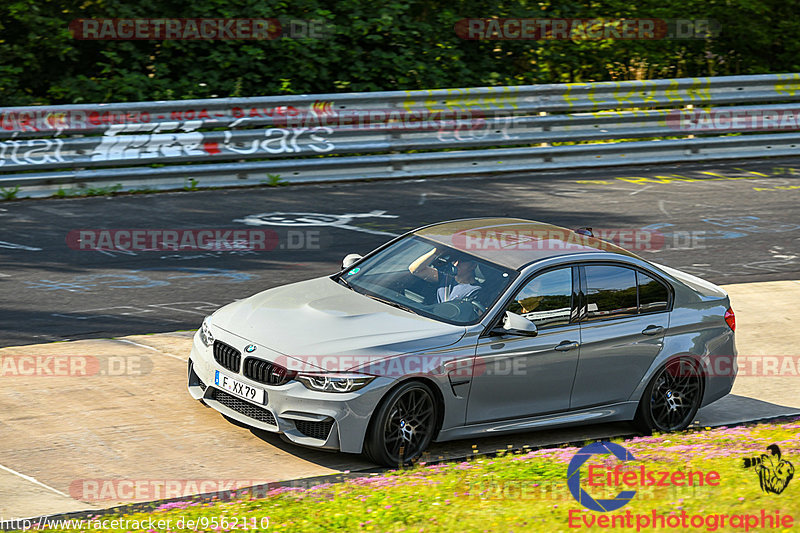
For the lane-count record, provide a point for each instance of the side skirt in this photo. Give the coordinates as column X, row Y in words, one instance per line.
column 622, row 411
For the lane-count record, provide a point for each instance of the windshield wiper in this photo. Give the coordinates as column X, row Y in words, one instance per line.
column 344, row 282
column 393, row 304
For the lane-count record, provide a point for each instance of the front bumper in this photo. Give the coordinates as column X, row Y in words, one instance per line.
column 336, row 421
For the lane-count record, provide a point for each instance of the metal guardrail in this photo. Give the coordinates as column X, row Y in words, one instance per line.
column 485, row 130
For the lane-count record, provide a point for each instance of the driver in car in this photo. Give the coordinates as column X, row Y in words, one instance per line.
column 457, row 287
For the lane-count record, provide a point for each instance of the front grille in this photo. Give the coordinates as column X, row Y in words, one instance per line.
column 241, row 406
column 266, row 372
column 315, row 430
column 228, row 356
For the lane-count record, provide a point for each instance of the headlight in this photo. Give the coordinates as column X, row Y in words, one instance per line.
column 205, row 332
column 334, row 382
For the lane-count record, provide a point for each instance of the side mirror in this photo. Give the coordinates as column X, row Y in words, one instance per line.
column 350, row 260
column 514, row 324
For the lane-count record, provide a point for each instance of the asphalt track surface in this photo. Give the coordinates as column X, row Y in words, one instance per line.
column 728, row 223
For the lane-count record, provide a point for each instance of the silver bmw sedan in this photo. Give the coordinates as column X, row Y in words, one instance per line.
column 468, row 328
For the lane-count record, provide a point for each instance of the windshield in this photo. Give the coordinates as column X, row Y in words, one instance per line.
column 431, row 279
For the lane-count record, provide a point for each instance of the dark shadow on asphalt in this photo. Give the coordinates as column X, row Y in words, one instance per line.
column 734, row 409
column 730, row 410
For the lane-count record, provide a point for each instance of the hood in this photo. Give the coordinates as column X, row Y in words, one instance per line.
column 321, row 317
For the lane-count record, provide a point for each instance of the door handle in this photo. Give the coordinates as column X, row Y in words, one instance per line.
column 652, row 330
column 566, row 346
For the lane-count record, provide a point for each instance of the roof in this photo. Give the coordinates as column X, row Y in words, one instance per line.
column 514, row 242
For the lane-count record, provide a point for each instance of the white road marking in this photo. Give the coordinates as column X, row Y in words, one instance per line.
column 53, row 211
column 153, row 349
column 13, row 246
column 640, row 190
column 33, row 480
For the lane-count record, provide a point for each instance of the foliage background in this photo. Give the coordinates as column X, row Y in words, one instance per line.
column 385, row 45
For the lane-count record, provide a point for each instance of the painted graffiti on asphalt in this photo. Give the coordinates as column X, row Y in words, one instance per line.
column 316, row 219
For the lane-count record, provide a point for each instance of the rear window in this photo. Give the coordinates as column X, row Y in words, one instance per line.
column 614, row 290
column 611, row 291
column 653, row 295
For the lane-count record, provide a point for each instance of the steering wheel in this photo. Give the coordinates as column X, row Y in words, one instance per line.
column 446, row 309
column 477, row 307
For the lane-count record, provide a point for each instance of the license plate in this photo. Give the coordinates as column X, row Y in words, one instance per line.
column 243, row 390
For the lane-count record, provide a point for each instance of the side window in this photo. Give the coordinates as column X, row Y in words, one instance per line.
column 546, row 300
column 611, row 291
column 653, row 295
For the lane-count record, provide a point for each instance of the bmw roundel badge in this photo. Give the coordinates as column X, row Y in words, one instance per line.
column 250, row 348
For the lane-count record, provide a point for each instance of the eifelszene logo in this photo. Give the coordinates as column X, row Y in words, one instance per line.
column 774, row 472
column 640, row 477
column 612, row 474
column 574, row 476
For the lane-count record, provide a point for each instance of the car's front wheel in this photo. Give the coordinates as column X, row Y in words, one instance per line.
column 403, row 426
column 672, row 398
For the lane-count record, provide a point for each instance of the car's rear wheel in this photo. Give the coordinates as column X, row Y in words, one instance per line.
column 403, row 426
column 672, row 398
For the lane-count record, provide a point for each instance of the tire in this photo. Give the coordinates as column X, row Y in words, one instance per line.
column 403, row 426
column 671, row 399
